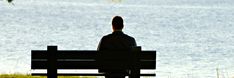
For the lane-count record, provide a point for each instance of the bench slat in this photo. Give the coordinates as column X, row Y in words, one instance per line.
column 65, row 54
column 82, row 74
column 89, row 54
column 85, row 65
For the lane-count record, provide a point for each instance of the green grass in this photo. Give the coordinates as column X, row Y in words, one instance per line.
column 29, row 76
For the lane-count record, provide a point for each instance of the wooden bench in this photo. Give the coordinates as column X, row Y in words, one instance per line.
column 53, row 59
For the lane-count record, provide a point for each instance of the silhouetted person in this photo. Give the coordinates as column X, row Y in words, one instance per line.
column 116, row 41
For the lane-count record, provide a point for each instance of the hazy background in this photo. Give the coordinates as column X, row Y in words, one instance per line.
column 192, row 37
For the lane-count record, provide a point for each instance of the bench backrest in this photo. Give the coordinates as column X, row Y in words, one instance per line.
column 86, row 59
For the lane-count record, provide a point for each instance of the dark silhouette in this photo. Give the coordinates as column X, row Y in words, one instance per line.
column 88, row 59
column 117, row 57
column 9, row 1
column 116, row 41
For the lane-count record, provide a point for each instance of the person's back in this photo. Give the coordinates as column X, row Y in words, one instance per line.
column 116, row 41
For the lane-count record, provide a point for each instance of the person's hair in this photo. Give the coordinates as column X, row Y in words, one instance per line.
column 117, row 22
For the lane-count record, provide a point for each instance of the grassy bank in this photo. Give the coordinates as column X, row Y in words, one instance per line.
column 29, row 76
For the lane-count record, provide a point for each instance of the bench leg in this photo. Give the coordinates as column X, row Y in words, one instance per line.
column 52, row 74
column 52, row 62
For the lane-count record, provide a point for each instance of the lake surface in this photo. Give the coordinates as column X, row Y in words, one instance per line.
column 192, row 38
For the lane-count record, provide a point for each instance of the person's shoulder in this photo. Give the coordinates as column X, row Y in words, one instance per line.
column 129, row 37
column 106, row 36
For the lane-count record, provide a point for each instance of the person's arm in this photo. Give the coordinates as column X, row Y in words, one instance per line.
column 100, row 45
column 134, row 42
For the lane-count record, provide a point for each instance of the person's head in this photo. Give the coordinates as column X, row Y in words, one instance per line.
column 117, row 23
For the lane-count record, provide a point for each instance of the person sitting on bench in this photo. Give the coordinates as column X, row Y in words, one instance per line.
column 116, row 41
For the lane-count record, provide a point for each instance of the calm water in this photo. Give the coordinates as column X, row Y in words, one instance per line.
column 192, row 38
